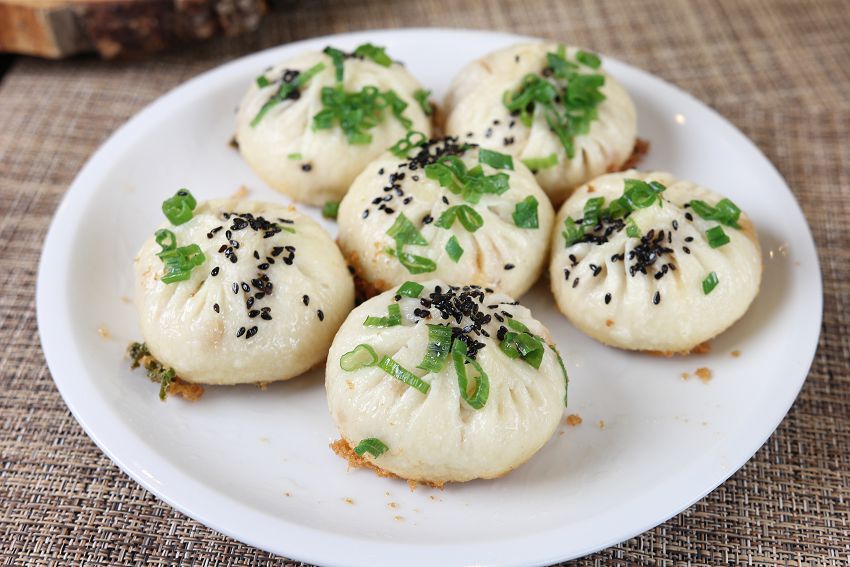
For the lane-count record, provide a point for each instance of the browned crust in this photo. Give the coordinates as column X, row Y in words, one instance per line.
column 702, row 348
column 639, row 151
column 343, row 449
column 178, row 387
column 363, row 287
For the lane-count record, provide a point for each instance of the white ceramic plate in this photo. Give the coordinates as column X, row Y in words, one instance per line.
column 256, row 464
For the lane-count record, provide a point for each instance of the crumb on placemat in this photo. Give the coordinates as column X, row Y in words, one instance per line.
column 574, row 419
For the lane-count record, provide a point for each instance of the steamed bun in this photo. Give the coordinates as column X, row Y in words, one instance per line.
column 298, row 145
column 386, row 393
column 500, row 219
column 263, row 306
column 678, row 280
column 477, row 111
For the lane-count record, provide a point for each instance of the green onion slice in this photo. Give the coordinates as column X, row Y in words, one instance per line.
column 520, row 343
column 454, row 249
column 375, row 53
column 572, row 233
column 716, row 237
column 295, row 156
column 439, row 344
column 592, row 209
column 536, row 164
column 451, row 173
column 421, row 96
column 468, row 217
column 525, row 213
column 405, row 232
column 373, row 446
column 393, row 318
column 361, row 356
column 166, row 239
column 639, row 194
column 416, row 264
column 413, row 139
column 709, row 283
column 564, row 371
column 410, row 289
column 262, row 81
column 338, row 58
column 474, row 394
column 286, row 90
column 178, row 209
column 590, row 59
column 495, row 160
column 632, row 229
column 330, row 210
column 179, row 262
column 725, row 212
column 397, row 371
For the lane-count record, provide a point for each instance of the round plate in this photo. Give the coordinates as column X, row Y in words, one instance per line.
column 256, row 464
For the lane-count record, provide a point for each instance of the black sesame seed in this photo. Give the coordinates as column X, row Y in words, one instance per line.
column 265, row 316
column 427, row 219
column 575, row 283
column 415, row 178
column 567, row 274
column 306, row 167
column 251, row 332
column 306, row 300
column 259, row 295
column 216, row 308
column 675, row 225
column 233, row 258
column 240, row 332
column 388, row 210
column 656, row 299
column 689, row 216
column 365, row 213
column 321, row 315
column 235, row 287
column 253, row 313
column 246, row 287
column 686, row 250
column 509, row 266
column 445, row 199
column 250, row 303
column 214, row 271
column 381, row 171
column 689, row 239
column 607, row 298
column 263, row 266
column 256, row 255
column 407, row 200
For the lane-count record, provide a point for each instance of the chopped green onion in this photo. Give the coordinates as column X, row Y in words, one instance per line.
column 166, row 239
column 709, row 283
column 287, row 90
column 262, row 81
column 592, row 209
column 397, row 371
column 716, row 237
column 295, row 156
column 404, row 232
column 330, row 209
column 639, row 194
column 361, row 356
column 450, row 172
column 358, row 112
column 410, row 289
column 725, row 212
column 373, row 446
column 495, row 159
column 590, row 59
column 421, row 96
column 375, row 53
column 439, row 344
column 413, row 139
column 522, row 344
column 572, row 233
column 477, row 398
column 468, row 217
column 338, row 58
column 179, row 262
column 537, row 163
column 525, row 213
column 632, row 229
column 416, row 264
column 165, row 379
column 454, row 249
column 178, row 209
column 393, row 318
column 564, row 371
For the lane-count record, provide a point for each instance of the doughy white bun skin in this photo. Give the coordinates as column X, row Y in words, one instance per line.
column 474, row 105
column 179, row 320
column 314, row 166
column 671, row 314
column 437, row 437
column 499, row 254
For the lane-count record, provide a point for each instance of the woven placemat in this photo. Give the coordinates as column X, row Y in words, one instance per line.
column 779, row 70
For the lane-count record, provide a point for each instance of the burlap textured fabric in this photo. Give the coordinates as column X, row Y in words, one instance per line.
column 779, row 70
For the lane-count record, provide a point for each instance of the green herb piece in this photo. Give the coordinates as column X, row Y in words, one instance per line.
column 294, row 156
column 572, row 233
column 361, row 356
column 421, row 96
column 179, row 262
column 709, row 283
column 525, row 213
column 567, row 98
column 413, row 139
column 590, row 59
column 725, row 212
column 416, row 264
column 451, row 173
column 632, row 229
column 439, row 344
column 139, row 354
column 166, row 239
column 454, row 249
column 358, row 112
column 639, row 194
column 287, row 90
column 538, row 163
column 405, row 232
column 165, row 379
column 262, row 81
column 564, row 371
column 397, row 371
column 178, row 209
column 716, row 237
column 495, row 159
column 410, row 289
column 476, row 393
column 393, row 318
column 520, row 343
column 338, row 58
column 375, row 53
column 468, row 217
column 330, row 209
column 592, row 210
column 373, row 446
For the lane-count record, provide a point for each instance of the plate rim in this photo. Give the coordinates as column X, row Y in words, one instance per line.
column 299, row 546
